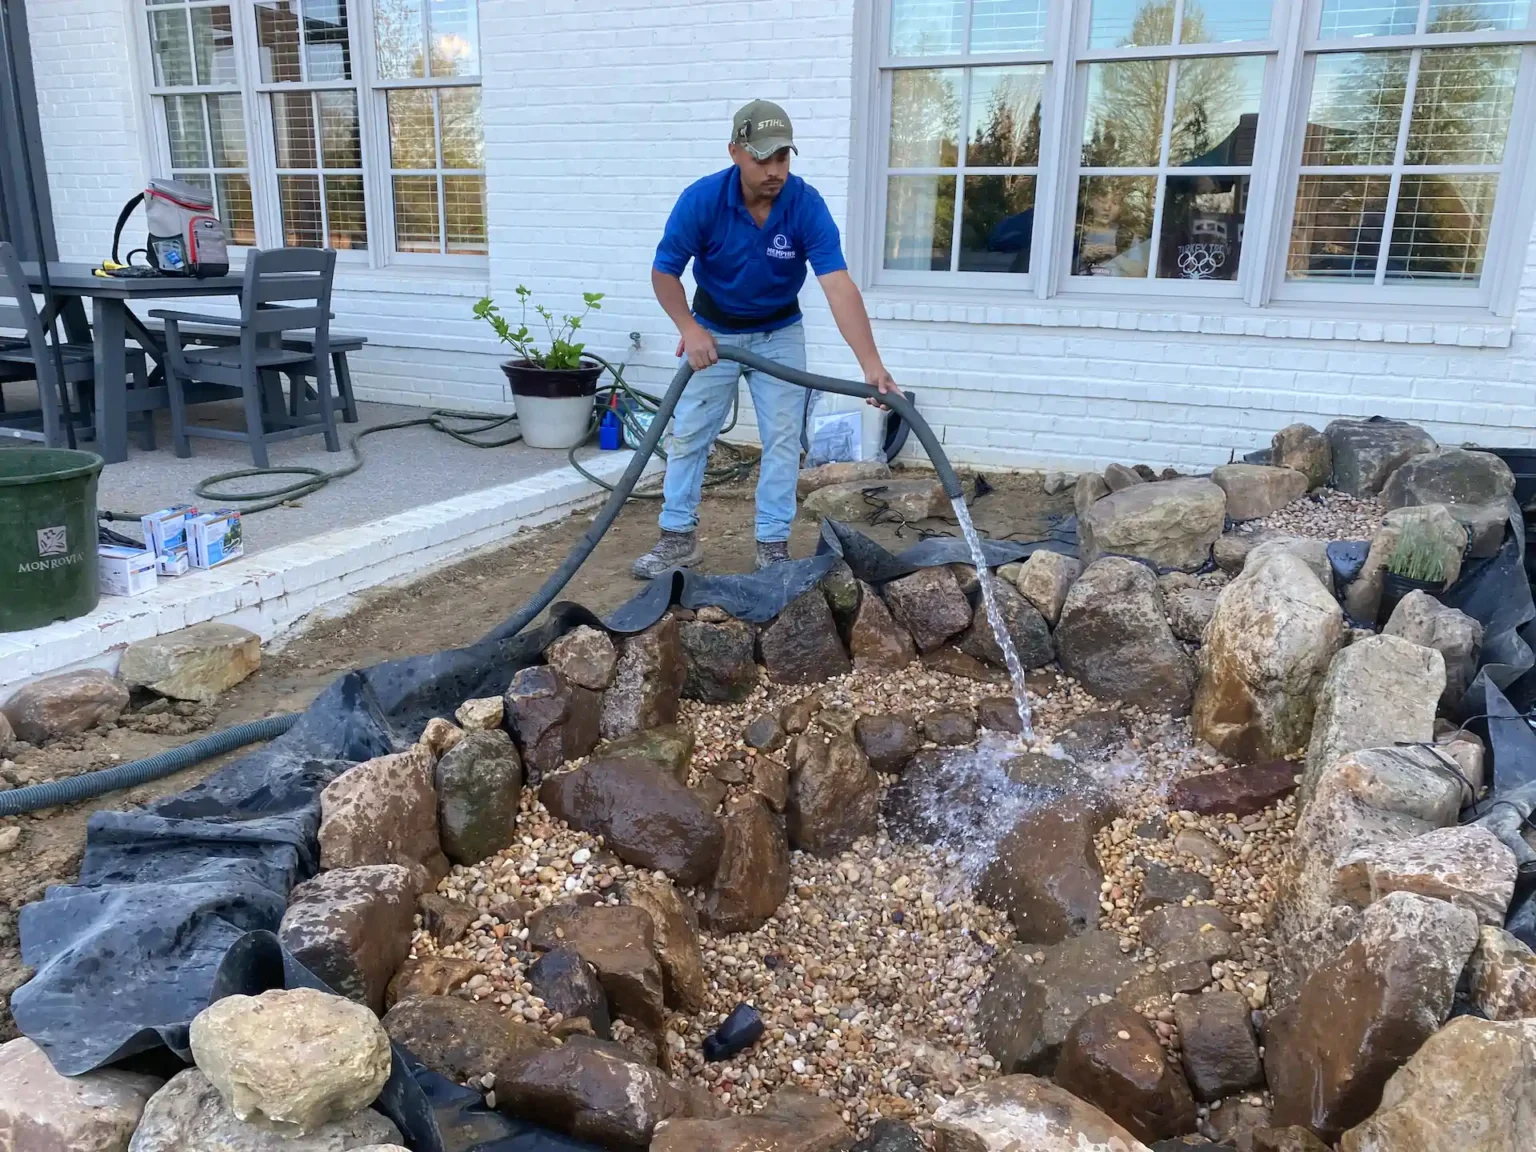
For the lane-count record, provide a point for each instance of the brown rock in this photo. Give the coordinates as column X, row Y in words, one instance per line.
column 910, row 499
column 669, row 747
column 1023, row 623
column 1220, row 1053
column 1044, row 580
column 677, row 939
column 644, row 815
column 552, row 720
column 1090, row 487
column 1000, row 714
column 195, row 663
column 1202, row 947
column 1501, row 976
column 1119, row 477
column 876, row 641
column 429, row 976
column 770, row 780
column 1422, row 619
column 1190, row 611
column 888, row 742
column 796, row 716
column 1467, row 866
column 949, row 727
column 1256, row 490
column 793, row 1121
column 953, row 662
column 930, row 605
column 352, row 928
column 383, row 811
column 1304, row 448
column 753, row 877
column 568, row 985
column 447, row 920
column 478, row 785
column 840, row 472
column 718, row 660
column 1239, row 791
column 440, row 736
column 766, row 734
column 43, row 1111
column 457, row 1038
column 1093, row 732
column 1168, row 524
column 1367, row 452
column 1045, row 873
column 647, row 682
column 65, row 705
column 584, row 656
column 619, row 941
column 1236, row 1121
column 801, row 646
column 1016, row 1113
column 1161, row 885
column 834, row 797
column 1112, row 1058
column 1163, row 926
column 1292, row 1139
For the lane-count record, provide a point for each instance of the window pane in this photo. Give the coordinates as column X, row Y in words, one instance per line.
column 412, row 132
column 171, row 47
column 347, row 226
column 1005, row 117
column 997, row 223
column 1114, row 226
column 340, row 146
column 1119, row 22
column 213, row 45
column 919, row 222
column 1008, row 25
column 326, row 53
column 1124, row 124
column 1357, row 108
column 1202, row 237
column 1224, row 21
column 1216, row 111
column 1478, row 15
column 226, row 116
column 927, row 27
column 1462, row 105
column 399, row 33
column 293, row 130
column 464, row 198
column 454, row 31
column 1345, row 18
column 416, row 214
column 235, row 209
column 1337, row 231
column 1440, row 232
column 184, row 129
column 196, row 179
column 925, row 118
column 277, row 41
column 299, row 197
column 463, row 140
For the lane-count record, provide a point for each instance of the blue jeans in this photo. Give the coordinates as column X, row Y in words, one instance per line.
column 783, row 411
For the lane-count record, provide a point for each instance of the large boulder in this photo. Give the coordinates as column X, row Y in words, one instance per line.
column 888, row 742
column 834, row 796
column 352, row 928
column 1360, row 1017
column 584, row 656
column 66, row 705
column 1239, row 791
column 876, row 642
column 383, row 811
column 1467, row 866
column 429, row 975
column 1112, row 1059
column 793, row 1121
column 552, row 719
column 459, row 1039
column 753, row 877
column 1090, row 488
column 1122, row 476
column 645, row 816
column 293, row 1058
column 852, row 502
column 1421, row 619
column 677, row 938
column 1190, row 611
column 1501, row 976
column 1256, row 490
column 930, row 606
column 568, row 985
column 189, row 1115
column 841, row 472
column 1217, row 1045
column 1044, row 580
column 669, row 747
column 1115, row 639
column 1044, row 873
column 1367, row 452
column 1471, row 1088
column 1169, row 524
column 1025, row 627
column 1267, row 648
column 1015, row 1113
column 1449, row 476
column 1304, row 448
column 647, row 681
column 718, row 660
column 1446, row 535
column 42, row 1111
column 196, row 663
column 1379, row 691
column 478, row 784
column 801, row 645
column 619, row 941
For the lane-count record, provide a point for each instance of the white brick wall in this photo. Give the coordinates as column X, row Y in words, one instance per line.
column 597, row 114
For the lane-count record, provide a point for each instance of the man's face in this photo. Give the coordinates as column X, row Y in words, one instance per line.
column 762, row 178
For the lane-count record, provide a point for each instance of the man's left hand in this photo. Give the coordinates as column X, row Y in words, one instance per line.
column 881, row 380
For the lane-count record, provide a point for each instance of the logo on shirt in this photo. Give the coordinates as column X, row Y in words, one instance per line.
column 781, row 248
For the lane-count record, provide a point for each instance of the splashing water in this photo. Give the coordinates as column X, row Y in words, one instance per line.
column 995, row 618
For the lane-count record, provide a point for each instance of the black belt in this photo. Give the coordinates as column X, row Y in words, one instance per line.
column 705, row 307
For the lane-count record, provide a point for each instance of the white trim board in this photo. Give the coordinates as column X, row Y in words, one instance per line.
column 272, row 591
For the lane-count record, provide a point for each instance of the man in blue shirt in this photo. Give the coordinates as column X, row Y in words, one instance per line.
column 749, row 230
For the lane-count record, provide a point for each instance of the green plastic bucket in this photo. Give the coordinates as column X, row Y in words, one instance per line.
column 47, row 536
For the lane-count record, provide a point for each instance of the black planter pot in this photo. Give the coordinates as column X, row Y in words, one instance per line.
column 554, row 405
column 1394, row 588
column 528, row 379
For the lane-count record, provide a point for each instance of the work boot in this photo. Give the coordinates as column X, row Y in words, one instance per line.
column 673, row 550
column 771, row 552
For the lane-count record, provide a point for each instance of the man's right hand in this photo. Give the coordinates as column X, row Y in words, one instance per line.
column 698, row 344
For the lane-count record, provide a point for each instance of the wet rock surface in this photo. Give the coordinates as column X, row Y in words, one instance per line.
column 352, row 928
column 1017, row 1112
column 669, row 747
column 792, row 1122
column 568, row 985
column 1025, row 626
column 1112, row 1058
column 875, row 640
column 383, row 811
column 1045, row 873
column 1240, row 791
column 930, row 606
column 478, row 783
column 647, row 681
column 753, row 877
column 65, row 705
column 42, row 1111
column 1220, row 1051
column 888, row 742
column 802, row 646
column 677, row 938
column 834, row 797
column 459, row 1039
column 718, row 660
column 619, row 942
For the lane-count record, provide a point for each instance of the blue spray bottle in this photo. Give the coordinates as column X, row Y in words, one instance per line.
column 610, row 432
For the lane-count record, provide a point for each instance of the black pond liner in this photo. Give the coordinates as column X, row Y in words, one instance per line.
column 178, row 902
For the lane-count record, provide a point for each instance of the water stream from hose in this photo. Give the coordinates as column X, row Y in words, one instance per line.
column 995, row 618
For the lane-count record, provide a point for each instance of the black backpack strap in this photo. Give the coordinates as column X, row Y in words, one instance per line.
column 122, row 219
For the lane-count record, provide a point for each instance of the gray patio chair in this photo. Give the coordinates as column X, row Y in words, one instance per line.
column 286, row 290
column 27, row 356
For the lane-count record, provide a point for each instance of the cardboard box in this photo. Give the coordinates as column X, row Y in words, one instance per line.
column 125, row 571
column 166, row 530
column 173, row 563
column 215, row 538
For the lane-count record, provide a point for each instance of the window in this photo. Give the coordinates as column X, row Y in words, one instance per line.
column 352, row 124
column 1355, row 150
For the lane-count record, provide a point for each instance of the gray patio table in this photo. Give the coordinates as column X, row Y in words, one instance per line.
column 112, row 322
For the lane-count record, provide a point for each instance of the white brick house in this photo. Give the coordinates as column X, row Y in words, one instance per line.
column 1264, row 146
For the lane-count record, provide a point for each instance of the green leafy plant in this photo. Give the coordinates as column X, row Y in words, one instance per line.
column 1418, row 555
column 563, row 350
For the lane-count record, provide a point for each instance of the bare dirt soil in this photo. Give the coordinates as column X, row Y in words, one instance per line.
column 444, row 609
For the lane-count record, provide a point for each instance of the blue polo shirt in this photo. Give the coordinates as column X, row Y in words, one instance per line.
column 750, row 271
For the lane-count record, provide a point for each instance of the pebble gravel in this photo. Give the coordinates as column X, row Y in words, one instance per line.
column 1325, row 515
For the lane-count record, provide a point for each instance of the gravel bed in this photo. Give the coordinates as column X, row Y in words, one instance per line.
column 1324, row 515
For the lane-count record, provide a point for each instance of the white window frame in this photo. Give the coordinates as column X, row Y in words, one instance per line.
column 255, row 94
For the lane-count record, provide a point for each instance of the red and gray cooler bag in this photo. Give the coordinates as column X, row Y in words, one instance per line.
column 185, row 237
